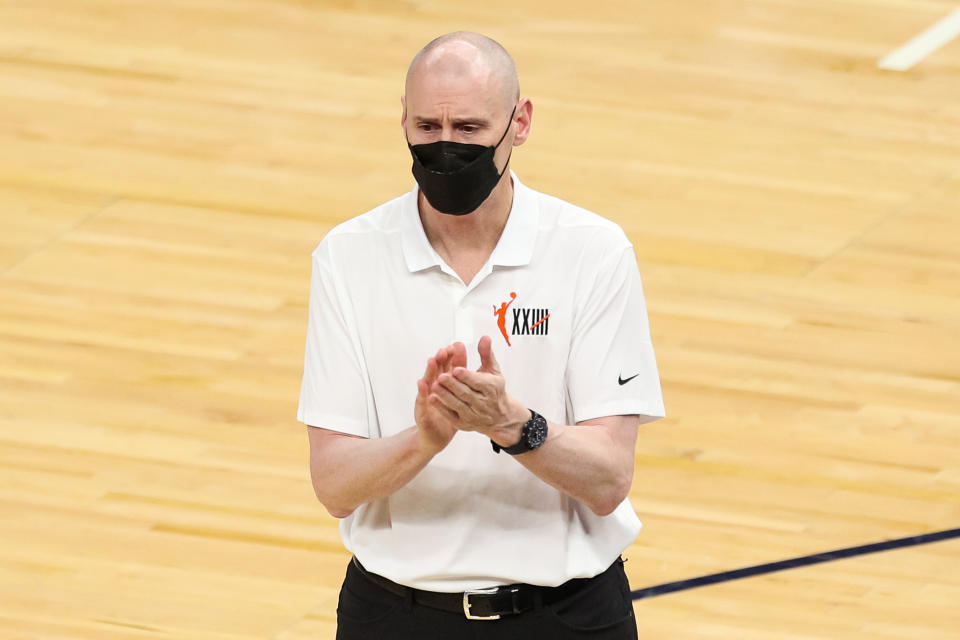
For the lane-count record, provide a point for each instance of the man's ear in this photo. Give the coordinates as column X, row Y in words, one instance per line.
column 403, row 113
column 524, row 117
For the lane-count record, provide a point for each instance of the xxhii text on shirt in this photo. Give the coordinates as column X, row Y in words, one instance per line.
column 527, row 321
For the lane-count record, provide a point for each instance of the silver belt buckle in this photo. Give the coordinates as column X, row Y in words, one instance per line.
column 466, row 603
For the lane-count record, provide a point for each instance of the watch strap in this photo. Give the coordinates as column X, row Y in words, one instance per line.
column 524, row 444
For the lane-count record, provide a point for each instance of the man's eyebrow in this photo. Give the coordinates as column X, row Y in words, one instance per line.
column 483, row 122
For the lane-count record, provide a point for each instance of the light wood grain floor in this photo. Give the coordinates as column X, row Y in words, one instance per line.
column 167, row 167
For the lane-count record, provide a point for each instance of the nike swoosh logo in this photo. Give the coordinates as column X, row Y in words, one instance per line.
column 623, row 382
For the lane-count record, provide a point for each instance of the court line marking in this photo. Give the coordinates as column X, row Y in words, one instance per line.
column 924, row 44
column 793, row 563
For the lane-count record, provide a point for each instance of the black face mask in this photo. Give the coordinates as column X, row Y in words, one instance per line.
column 455, row 177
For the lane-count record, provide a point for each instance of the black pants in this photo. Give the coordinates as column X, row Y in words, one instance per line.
column 601, row 610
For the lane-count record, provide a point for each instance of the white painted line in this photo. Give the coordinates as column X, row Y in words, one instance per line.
column 924, row 44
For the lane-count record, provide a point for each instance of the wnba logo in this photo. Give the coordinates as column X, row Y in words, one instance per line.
column 526, row 321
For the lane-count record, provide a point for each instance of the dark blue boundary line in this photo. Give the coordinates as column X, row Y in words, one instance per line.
column 793, row 563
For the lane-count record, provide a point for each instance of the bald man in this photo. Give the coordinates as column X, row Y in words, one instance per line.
column 479, row 462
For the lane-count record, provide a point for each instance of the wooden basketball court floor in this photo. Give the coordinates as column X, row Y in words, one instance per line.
column 167, row 167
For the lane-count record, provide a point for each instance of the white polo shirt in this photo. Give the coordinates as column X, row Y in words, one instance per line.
column 563, row 289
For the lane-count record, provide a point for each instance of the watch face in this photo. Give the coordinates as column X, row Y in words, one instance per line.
column 537, row 433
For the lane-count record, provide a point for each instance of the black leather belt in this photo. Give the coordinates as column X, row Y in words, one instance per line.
column 483, row 604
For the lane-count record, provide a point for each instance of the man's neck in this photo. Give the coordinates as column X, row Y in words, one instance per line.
column 466, row 242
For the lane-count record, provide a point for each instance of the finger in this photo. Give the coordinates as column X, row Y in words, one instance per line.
column 431, row 373
column 457, row 388
column 488, row 363
column 445, row 412
column 459, row 357
column 447, row 358
column 451, row 402
column 478, row 382
column 441, row 360
column 423, row 389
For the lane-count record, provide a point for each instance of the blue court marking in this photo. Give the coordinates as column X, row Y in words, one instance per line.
column 771, row 567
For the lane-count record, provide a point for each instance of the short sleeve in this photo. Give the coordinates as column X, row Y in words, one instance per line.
column 333, row 392
column 612, row 369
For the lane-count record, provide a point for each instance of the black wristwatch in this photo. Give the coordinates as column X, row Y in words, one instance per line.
column 533, row 435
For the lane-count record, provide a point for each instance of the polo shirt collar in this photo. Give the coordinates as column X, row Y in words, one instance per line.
column 514, row 249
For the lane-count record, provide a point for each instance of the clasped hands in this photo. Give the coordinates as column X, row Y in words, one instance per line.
column 452, row 398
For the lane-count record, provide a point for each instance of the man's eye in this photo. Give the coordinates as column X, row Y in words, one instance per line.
column 469, row 128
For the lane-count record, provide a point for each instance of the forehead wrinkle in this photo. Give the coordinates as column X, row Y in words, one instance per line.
column 453, row 97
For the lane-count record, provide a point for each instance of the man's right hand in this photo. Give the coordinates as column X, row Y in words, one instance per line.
column 436, row 424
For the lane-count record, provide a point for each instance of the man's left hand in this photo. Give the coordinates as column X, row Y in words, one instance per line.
column 481, row 400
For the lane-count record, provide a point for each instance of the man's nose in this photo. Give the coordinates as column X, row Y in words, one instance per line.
column 446, row 133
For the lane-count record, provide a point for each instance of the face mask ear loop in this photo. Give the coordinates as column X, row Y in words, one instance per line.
column 509, row 122
column 505, row 166
column 501, row 140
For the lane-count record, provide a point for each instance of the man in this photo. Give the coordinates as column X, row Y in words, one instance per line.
column 482, row 489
